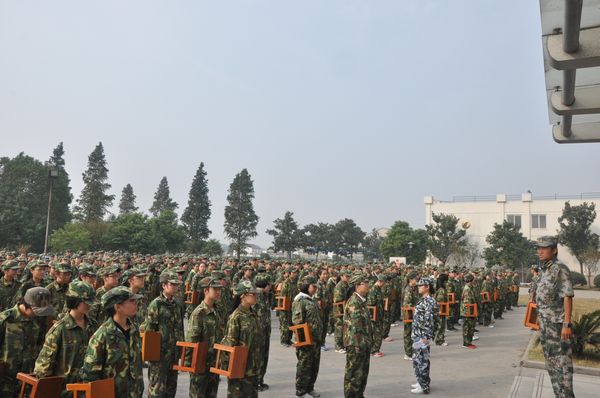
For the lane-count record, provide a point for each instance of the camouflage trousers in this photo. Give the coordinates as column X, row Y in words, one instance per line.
column 408, row 348
column 242, row 388
column 378, row 330
column 357, row 372
column 204, row 385
column 421, row 366
column 486, row 313
column 440, row 333
column 285, row 321
column 331, row 323
column 9, row 387
column 325, row 319
column 498, row 308
column 453, row 317
column 265, row 355
column 387, row 323
column 468, row 330
column 162, row 380
column 508, row 301
column 559, row 358
column 307, row 368
column 339, row 337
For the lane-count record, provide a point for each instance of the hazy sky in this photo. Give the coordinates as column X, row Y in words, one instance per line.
column 337, row 108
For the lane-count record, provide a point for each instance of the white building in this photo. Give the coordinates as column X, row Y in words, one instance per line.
column 537, row 215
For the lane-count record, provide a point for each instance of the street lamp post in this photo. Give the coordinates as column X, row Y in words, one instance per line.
column 410, row 246
column 52, row 175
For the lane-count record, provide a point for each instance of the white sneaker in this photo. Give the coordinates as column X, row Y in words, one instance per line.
column 341, row 351
column 412, row 386
column 444, row 344
column 475, row 338
column 417, row 390
column 314, row 393
column 490, row 326
column 407, row 358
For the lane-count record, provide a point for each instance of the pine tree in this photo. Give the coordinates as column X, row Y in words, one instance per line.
column 127, row 203
column 93, row 203
column 61, row 191
column 162, row 199
column 197, row 213
column 286, row 236
column 240, row 218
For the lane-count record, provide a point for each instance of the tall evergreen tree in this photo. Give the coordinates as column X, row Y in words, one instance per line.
column 93, row 203
column 127, row 203
column 197, row 213
column 240, row 218
column 575, row 233
column 61, row 191
column 445, row 237
column 286, row 236
column 162, row 199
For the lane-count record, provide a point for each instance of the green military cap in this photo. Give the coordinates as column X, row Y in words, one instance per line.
column 87, row 269
column 169, row 277
column 245, row 287
column 63, row 267
column 469, row 278
column 131, row 272
column 37, row 264
column 311, row 280
column 39, row 299
column 263, row 277
column 547, row 241
column 117, row 295
column 178, row 270
column 344, row 273
column 411, row 275
column 382, row 277
column 226, row 267
column 83, row 290
column 217, row 274
column 209, row 281
column 11, row 264
column 358, row 278
column 111, row 269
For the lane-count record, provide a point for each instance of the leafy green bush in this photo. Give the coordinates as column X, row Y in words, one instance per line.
column 73, row 236
column 578, row 279
column 597, row 280
column 586, row 331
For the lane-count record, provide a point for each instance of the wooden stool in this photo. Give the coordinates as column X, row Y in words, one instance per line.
column 192, row 297
column 236, row 366
column 338, row 308
column 496, row 294
column 485, row 297
column 531, row 318
column 471, row 310
column 515, row 288
column 46, row 387
column 386, row 304
column 444, row 308
column 409, row 313
column 150, row 346
column 199, row 352
column 96, row 389
column 451, row 298
column 283, row 303
column 373, row 311
column 302, row 335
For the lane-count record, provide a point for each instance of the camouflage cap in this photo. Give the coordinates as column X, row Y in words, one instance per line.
column 226, row 267
column 63, row 267
column 168, row 276
column 245, row 287
column 547, row 241
column 117, row 295
column 469, row 278
column 359, row 278
column 311, row 280
column 36, row 264
column 411, row 275
column 209, row 281
column 39, row 299
column 111, row 269
column 83, row 290
column 382, row 277
column 87, row 269
column 425, row 281
column 263, row 277
column 11, row 264
column 217, row 274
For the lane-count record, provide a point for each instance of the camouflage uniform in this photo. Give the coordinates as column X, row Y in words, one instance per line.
column 375, row 298
column 554, row 285
column 166, row 317
column 204, row 325
column 486, row 308
column 243, row 328
column 305, row 310
column 115, row 352
column 339, row 294
column 58, row 293
column 468, row 297
column 357, row 332
column 452, row 288
column 440, row 333
column 410, row 300
column 423, row 327
column 325, row 303
column 289, row 290
column 8, row 290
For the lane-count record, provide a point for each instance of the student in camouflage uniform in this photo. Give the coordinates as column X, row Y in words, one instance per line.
column 441, row 297
column 487, row 307
column 165, row 315
column 263, row 312
column 423, row 330
column 243, row 329
column 500, row 291
column 535, row 278
column 451, row 287
column 9, row 284
column 324, row 298
column 110, row 276
column 67, row 340
column 554, row 298
column 289, row 290
column 305, row 310
column 468, row 297
column 19, row 337
column 204, row 325
column 135, row 280
column 58, row 288
column 410, row 299
column 340, row 293
column 375, row 299
column 357, row 332
column 115, row 349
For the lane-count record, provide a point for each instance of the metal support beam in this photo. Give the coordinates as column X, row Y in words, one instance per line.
column 580, row 133
column 587, row 56
column 588, row 102
column 572, row 25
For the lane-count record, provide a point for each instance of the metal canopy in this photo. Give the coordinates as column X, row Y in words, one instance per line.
column 571, row 41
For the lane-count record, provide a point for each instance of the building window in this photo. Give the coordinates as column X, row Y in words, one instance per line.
column 538, row 221
column 514, row 219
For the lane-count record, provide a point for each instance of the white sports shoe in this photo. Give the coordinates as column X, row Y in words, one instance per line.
column 415, row 385
column 475, row 338
column 417, row 390
column 407, row 358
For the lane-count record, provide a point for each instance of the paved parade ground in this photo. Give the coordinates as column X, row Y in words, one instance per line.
column 488, row 371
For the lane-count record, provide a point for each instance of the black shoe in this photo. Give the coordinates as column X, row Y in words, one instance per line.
column 263, row 387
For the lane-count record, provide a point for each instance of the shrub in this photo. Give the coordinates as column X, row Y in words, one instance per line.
column 578, row 279
column 584, row 332
column 597, row 280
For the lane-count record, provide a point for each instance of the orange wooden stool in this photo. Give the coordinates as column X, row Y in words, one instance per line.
column 531, row 317
column 236, row 365
column 46, row 387
column 150, row 346
column 302, row 335
column 96, row 389
column 199, row 352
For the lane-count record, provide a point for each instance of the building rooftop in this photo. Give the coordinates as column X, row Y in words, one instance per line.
column 505, row 197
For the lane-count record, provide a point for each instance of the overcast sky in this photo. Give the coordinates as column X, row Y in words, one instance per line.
column 337, row 108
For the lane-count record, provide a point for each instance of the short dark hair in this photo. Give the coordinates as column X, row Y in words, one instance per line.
column 72, row 302
column 304, row 288
column 110, row 311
